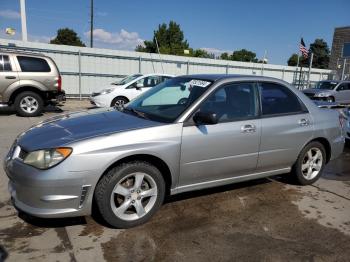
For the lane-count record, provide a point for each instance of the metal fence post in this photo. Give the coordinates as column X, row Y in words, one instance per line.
column 79, row 68
column 140, row 62
column 343, row 70
column 188, row 67
column 283, row 73
column 227, row 69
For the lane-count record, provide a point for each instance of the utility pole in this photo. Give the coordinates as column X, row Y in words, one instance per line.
column 23, row 20
column 92, row 23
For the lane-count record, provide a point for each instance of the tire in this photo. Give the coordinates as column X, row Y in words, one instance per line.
column 29, row 104
column 308, row 168
column 330, row 99
column 119, row 102
column 118, row 199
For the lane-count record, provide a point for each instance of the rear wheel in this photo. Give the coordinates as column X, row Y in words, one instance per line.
column 310, row 163
column 29, row 104
column 129, row 194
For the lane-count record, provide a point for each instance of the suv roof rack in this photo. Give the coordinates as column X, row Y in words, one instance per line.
column 16, row 49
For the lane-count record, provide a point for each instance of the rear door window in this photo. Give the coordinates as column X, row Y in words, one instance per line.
column 5, row 64
column 278, row 100
column 33, row 64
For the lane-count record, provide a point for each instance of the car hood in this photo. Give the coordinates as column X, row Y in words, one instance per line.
column 316, row 91
column 64, row 129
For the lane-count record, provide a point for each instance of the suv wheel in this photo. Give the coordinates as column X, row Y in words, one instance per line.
column 129, row 194
column 119, row 102
column 310, row 163
column 29, row 104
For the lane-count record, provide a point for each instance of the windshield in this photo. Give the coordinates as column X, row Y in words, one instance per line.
column 325, row 85
column 168, row 100
column 126, row 80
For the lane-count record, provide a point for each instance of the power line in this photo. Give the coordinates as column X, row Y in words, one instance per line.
column 91, row 23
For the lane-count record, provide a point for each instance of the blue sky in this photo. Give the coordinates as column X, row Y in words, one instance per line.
column 272, row 25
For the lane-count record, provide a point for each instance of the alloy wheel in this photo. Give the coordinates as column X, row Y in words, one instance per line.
column 29, row 104
column 134, row 196
column 312, row 163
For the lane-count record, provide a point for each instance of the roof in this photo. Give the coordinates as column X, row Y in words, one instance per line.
column 216, row 77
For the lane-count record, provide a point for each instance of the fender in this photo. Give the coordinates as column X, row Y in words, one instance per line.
column 20, row 84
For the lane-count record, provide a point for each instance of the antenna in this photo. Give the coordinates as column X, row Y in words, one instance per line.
column 92, row 23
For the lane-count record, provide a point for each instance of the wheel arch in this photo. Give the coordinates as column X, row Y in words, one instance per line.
column 326, row 145
column 24, row 89
column 151, row 159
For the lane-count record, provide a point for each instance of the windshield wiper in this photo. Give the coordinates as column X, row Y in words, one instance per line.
column 135, row 112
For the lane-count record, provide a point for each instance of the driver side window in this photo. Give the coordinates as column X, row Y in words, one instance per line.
column 232, row 102
column 344, row 87
column 149, row 81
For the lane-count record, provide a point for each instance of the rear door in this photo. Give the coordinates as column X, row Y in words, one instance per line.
column 286, row 127
column 8, row 74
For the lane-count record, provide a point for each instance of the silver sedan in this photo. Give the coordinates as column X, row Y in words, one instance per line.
column 188, row 133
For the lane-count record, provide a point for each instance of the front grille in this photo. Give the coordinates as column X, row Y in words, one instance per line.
column 309, row 95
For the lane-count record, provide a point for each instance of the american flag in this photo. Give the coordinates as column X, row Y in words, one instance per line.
column 303, row 49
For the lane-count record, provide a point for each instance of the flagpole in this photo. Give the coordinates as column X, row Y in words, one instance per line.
column 310, row 66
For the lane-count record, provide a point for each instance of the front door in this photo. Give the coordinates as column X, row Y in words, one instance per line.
column 228, row 148
column 343, row 93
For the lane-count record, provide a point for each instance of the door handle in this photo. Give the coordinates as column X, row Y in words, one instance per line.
column 304, row 122
column 10, row 77
column 248, row 129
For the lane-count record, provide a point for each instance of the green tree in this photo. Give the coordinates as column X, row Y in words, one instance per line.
column 293, row 60
column 244, row 56
column 66, row 36
column 225, row 56
column 170, row 40
column 201, row 53
column 321, row 54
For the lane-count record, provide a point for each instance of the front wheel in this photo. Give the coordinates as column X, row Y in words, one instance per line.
column 310, row 163
column 119, row 102
column 129, row 194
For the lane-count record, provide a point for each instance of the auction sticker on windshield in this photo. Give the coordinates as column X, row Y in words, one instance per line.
column 201, row 83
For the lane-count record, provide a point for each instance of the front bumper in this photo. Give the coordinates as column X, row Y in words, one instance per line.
column 50, row 193
column 99, row 101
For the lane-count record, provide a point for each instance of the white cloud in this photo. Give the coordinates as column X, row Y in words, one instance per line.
column 121, row 40
column 10, row 14
column 215, row 51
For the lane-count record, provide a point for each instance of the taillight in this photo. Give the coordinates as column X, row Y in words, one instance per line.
column 59, row 84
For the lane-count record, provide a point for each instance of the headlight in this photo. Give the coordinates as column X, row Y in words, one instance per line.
column 106, row 91
column 44, row 159
column 322, row 94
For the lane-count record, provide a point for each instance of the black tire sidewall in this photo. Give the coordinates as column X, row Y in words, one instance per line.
column 19, row 110
column 297, row 167
column 107, row 183
column 118, row 98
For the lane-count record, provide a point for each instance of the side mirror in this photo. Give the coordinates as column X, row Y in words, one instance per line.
column 205, row 118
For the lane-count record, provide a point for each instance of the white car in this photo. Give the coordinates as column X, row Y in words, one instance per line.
column 123, row 91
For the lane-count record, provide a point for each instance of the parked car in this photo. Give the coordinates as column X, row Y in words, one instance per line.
column 187, row 133
column 344, row 112
column 28, row 82
column 123, row 91
column 331, row 91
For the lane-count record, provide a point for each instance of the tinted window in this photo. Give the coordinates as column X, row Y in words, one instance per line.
column 344, row 87
column 277, row 99
column 232, row 102
column 32, row 64
column 346, row 50
column 5, row 63
column 150, row 81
